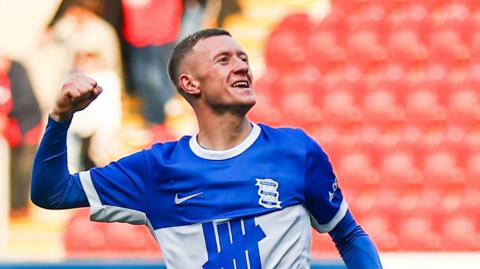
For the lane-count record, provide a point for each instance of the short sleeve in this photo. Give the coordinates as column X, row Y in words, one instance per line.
column 323, row 197
column 117, row 192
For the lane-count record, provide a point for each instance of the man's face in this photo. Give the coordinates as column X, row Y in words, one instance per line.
column 220, row 66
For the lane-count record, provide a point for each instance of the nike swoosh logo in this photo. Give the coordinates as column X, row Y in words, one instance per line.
column 179, row 200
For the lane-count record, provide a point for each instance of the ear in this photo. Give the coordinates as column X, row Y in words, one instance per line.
column 189, row 84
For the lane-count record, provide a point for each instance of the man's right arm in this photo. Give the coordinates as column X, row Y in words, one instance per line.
column 52, row 185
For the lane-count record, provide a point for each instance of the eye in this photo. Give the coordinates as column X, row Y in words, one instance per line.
column 222, row 60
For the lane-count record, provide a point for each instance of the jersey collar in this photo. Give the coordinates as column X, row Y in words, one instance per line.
column 225, row 154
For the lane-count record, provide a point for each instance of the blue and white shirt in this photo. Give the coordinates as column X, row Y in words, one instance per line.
column 251, row 206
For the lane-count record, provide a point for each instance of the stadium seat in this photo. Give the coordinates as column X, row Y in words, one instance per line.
column 367, row 15
column 378, row 227
column 405, row 47
column 296, row 22
column 473, row 170
column 447, row 46
column 321, row 244
column 422, row 106
column 308, row 113
column 130, row 240
column 399, row 169
column 470, row 202
column 323, row 49
column 464, row 106
column 356, row 170
column 380, row 106
column 440, row 168
column 364, row 49
column 461, row 234
column 455, row 15
column 84, row 238
column 406, row 14
column 340, row 107
column 417, row 234
column 289, row 46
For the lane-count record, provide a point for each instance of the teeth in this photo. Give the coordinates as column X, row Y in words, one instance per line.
column 240, row 84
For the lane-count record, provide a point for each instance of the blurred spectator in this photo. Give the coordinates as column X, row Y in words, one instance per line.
column 192, row 19
column 151, row 28
column 78, row 28
column 20, row 124
column 227, row 8
column 93, row 139
column 108, row 10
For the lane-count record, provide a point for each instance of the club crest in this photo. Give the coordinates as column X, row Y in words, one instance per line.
column 267, row 190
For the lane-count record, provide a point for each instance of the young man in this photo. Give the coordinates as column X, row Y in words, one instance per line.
column 236, row 195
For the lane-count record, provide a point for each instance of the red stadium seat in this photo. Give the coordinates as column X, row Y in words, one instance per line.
column 296, row 22
column 447, row 46
column 422, row 106
column 381, row 106
column 461, row 234
column 470, row 202
column 454, row 15
column 356, row 169
column 131, row 240
column 464, row 106
column 308, row 113
column 417, row 234
column 340, row 107
column 321, row 244
column 473, row 170
column 84, row 238
column 284, row 51
column 323, row 49
column 405, row 47
column 367, row 15
column 407, row 14
column 399, row 169
column 440, row 168
column 379, row 229
column 363, row 48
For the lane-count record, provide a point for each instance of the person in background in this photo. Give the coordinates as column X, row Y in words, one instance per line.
column 151, row 28
column 78, row 27
column 94, row 140
column 21, row 126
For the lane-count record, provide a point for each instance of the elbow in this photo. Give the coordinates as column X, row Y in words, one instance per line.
column 40, row 200
column 39, row 196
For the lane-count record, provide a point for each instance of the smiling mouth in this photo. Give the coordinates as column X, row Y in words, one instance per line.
column 241, row 84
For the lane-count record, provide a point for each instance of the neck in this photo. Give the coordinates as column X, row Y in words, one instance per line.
column 222, row 131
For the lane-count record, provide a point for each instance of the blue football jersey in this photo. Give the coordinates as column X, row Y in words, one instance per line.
column 251, row 206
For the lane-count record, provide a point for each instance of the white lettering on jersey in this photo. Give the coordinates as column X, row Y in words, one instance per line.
column 331, row 194
column 267, row 190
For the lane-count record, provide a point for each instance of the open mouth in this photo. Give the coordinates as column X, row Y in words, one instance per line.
column 241, row 84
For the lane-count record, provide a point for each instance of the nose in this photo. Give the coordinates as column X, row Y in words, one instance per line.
column 240, row 66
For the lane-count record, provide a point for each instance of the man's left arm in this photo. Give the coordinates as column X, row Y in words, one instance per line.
column 330, row 214
column 354, row 245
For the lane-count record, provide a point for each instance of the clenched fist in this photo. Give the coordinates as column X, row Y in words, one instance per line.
column 76, row 94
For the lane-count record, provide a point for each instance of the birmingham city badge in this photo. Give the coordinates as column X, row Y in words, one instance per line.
column 268, row 192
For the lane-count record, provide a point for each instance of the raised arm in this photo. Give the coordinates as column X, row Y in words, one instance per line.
column 52, row 185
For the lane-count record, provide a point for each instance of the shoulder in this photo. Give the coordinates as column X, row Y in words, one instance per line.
column 290, row 135
column 284, row 132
